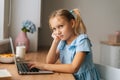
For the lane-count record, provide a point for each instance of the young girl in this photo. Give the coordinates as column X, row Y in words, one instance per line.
column 71, row 44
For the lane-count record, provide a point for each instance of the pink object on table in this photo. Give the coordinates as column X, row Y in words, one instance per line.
column 114, row 38
column 23, row 38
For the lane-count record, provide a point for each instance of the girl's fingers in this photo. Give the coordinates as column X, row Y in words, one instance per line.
column 53, row 36
column 31, row 64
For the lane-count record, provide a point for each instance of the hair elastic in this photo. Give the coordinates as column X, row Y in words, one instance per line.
column 72, row 12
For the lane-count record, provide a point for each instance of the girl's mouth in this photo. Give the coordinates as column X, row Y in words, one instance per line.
column 61, row 36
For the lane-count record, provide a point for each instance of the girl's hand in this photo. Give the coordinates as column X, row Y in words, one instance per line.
column 55, row 36
column 36, row 65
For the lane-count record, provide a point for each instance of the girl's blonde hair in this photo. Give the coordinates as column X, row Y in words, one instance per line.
column 74, row 14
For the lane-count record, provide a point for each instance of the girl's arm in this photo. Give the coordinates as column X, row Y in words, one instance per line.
column 67, row 68
column 53, row 53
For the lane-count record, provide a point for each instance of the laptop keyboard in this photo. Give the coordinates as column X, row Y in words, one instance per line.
column 23, row 67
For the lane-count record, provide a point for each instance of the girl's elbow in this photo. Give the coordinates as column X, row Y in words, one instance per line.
column 74, row 70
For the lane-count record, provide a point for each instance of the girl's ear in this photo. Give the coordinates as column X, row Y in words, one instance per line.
column 73, row 23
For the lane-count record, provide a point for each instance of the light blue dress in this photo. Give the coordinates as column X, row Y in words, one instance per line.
column 87, row 70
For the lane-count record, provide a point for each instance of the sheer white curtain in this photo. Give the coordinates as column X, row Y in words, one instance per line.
column 4, row 18
column 1, row 18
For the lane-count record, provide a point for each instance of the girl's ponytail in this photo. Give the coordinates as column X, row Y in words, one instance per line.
column 79, row 27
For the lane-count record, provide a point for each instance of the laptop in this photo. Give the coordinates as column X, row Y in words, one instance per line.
column 22, row 66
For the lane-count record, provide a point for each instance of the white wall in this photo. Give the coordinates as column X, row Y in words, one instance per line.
column 101, row 18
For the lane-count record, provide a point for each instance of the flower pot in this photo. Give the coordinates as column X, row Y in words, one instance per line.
column 23, row 38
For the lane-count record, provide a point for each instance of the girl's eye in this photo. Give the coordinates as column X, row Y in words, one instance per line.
column 53, row 29
column 61, row 26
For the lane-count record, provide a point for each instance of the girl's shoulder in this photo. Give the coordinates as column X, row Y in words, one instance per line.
column 81, row 37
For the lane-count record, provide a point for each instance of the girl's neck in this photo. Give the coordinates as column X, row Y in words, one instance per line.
column 69, row 41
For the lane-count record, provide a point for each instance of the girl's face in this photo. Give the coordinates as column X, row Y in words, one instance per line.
column 62, row 28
